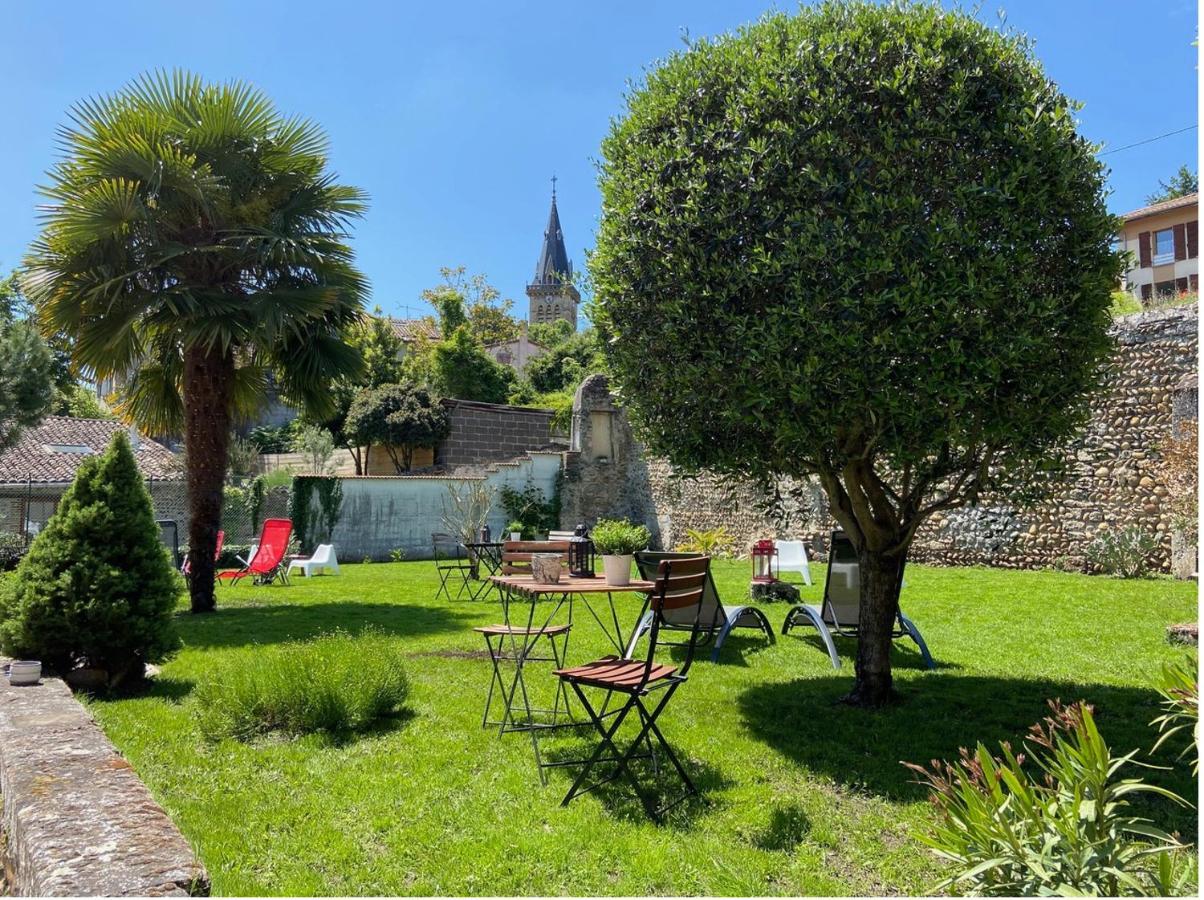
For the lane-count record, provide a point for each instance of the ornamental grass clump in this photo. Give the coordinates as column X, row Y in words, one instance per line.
column 1053, row 821
column 336, row 684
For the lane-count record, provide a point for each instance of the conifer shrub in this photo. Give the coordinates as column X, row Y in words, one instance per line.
column 97, row 589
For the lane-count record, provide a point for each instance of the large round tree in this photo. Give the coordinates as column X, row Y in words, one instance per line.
column 863, row 244
column 195, row 247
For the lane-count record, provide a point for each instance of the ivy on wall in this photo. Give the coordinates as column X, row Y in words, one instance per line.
column 313, row 523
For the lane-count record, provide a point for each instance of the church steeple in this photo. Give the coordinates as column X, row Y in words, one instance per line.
column 552, row 293
column 554, row 266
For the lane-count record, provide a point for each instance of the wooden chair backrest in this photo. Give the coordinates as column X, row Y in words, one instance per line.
column 679, row 588
column 516, row 555
column 559, row 535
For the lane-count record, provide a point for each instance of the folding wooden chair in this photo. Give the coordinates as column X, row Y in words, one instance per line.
column 679, row 586
column 451, row 560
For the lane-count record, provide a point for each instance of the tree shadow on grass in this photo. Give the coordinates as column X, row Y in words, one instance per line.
column 237, row 626
column 805, row 721
column 904, row 653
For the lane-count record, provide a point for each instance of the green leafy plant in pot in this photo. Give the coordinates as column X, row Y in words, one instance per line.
column 617, row 540
column 515, row 530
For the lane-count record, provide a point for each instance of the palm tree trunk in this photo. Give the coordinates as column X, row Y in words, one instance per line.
column 881, row 578
column 208, row 385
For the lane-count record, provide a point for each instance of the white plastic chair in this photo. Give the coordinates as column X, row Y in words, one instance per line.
column 323, row 558
column 792, row 557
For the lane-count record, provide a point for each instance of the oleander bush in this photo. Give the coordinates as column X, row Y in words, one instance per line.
column 1179, row 685
column 336, row 684
column 1052, row 820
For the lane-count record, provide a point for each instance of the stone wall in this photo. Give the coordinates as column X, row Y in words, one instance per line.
column 486, row 432
column 1113, row 479
column 77, row 821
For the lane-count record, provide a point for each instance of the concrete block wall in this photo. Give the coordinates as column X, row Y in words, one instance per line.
column 487, row 432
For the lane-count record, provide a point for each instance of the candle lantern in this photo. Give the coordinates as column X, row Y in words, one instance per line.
column 763, row 556
column 581, row 554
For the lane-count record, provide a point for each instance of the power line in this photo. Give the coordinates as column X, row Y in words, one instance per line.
column 1149, row 140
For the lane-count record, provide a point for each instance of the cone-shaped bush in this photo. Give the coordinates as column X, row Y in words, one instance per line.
column 96, row 589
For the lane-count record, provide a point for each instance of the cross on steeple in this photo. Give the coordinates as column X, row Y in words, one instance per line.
column 553, row 187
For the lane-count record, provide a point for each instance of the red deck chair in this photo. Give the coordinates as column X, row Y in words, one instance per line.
column 186, row 566
column 270, row 557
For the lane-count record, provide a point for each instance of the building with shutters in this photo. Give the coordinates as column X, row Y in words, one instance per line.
column 1163, row 244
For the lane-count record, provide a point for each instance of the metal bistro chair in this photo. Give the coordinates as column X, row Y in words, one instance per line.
column 680, row 585
column 451, row 560
column 516, row 644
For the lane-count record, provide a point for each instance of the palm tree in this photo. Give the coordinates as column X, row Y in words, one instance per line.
column 195, row 247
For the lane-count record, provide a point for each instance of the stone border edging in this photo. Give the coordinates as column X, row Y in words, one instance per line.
column 76, row 819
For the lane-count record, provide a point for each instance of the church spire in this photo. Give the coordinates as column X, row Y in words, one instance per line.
column 554, row 266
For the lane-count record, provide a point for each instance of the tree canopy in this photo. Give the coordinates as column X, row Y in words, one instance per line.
column 398, row 417
column 863, row 244
column 195, row 247
column 1182, row 183
column 25, row 380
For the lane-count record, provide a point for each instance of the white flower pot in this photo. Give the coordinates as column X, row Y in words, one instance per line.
column 516, row 535
column 617, row 569
column 25, row 672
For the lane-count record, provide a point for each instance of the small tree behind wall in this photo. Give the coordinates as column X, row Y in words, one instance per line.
column 865, row 245
column 400, row 418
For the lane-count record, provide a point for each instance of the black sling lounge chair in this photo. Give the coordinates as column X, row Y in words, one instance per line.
column 716, row 620
column 841, row 608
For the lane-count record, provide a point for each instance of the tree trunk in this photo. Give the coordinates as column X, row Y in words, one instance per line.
column 208, row 385
column 881, row 578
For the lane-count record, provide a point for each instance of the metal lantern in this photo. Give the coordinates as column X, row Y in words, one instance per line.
column 763, row 555
column 581, row 554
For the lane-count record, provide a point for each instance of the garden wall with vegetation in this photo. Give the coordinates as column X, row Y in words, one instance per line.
column 1116, row 476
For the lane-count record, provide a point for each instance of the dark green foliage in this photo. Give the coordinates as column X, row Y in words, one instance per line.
column 273, row 438
column 25, row 380
column 462, row 369
column 97, row 588
column 336, row 684
column 12, row 550
column 314, row 505
column 537, row 513
column 863, row 244
column 1182, row 183
column 398, row 417
column 566, row 364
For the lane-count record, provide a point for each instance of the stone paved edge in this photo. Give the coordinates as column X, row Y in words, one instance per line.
column 76, row 819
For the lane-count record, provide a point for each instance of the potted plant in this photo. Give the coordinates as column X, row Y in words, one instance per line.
column 516, row 530
column 617, row 540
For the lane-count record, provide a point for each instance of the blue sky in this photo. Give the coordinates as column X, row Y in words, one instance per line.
column 454, row 115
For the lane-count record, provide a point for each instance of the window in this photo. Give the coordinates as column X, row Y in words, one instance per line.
column 1165, row 289
column 1164, row 246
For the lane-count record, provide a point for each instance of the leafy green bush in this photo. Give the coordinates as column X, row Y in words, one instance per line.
column 537, row 513
column 12, row 550
column 336, row 684
column 1122, row 551
column 1052, row 822
column 619, row 537
column 97, row 589
column 707, row 541
column 1179, row 686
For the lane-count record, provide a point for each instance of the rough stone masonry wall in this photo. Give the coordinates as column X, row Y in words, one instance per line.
column 77, row 821
column 1113, row 480
column 486, row 432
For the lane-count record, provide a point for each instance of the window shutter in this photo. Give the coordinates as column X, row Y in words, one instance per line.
column 1193, row 282
column 1147, row 292
column 1180, row 241
column 1180, row 285
column 1193, row 239
column 1143, row 250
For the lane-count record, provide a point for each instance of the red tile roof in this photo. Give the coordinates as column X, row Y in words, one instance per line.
column 410, row 330
column 51, row 452
column 1164, row 206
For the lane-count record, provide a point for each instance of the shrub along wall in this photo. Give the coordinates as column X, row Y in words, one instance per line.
column 1113, row 479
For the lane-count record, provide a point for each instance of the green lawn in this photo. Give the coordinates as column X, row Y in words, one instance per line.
column 803, row 795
